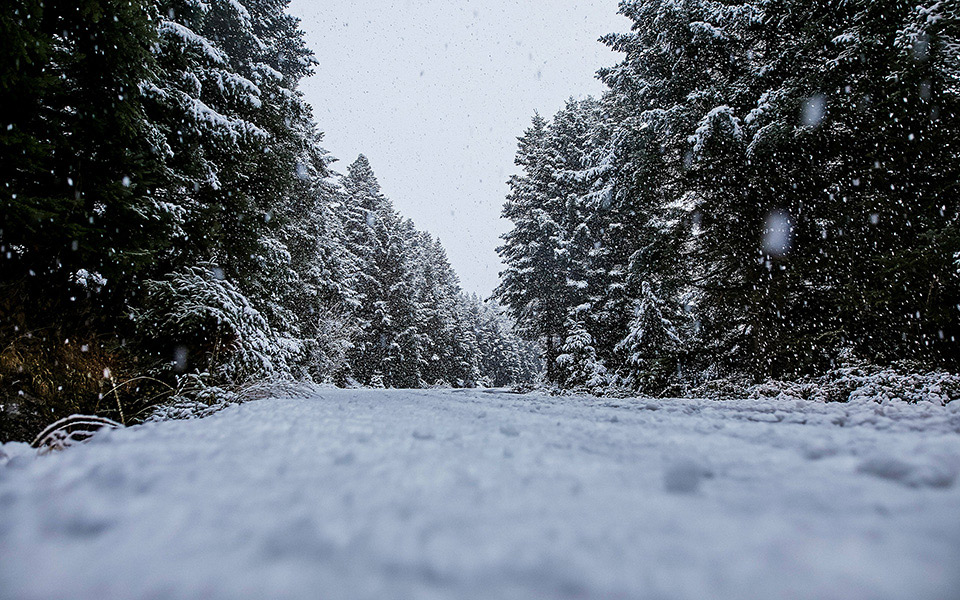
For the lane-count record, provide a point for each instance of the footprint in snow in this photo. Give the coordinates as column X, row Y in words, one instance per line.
column 683, row 476
column 509, row 430
column 345, row 459
column 941, row 474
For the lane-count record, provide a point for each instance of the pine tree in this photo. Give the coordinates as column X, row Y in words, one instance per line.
column 550, row 251
column 79, row 217
column 241, row 154
column 387, row 314
column 533, row 284
column 578, row 362
column 653, row 344
column 73, row 77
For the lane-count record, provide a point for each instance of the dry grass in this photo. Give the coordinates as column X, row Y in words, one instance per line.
column 45, row 376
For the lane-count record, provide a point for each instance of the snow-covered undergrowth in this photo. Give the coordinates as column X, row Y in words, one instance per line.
column 866, row 382
column 485, row 494
column 849, row 383
column 195, row 398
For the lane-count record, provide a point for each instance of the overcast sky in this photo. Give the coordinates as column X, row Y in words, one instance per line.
column 435, row 93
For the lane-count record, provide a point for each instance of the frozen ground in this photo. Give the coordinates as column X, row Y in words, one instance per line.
column 473, row 494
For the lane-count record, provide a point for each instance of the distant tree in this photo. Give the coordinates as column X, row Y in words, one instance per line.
column 533, row 283
column 653, row 345
column 579, row 367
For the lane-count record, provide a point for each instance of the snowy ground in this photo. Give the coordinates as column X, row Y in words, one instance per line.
column 474, row 494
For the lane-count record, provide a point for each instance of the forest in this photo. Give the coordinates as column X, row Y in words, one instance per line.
column 172, row 229
column 721, row 359
column 768, row 189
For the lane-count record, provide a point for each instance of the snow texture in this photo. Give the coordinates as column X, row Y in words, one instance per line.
column 484, row 494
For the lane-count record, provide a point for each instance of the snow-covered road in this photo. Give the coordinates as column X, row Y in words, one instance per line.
column 478, row 494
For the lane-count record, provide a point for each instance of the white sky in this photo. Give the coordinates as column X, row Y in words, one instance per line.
column 435, row 93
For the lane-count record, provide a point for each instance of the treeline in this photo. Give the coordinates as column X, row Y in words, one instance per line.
column 768, row 187
column 170, row 223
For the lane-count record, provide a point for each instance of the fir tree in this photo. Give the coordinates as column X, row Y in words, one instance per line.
column 653, row 343
column 578, row 362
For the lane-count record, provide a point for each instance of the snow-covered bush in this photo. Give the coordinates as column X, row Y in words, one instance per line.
column 854, row 383
column 196, row 397
column 196, row 312
column 725, row 388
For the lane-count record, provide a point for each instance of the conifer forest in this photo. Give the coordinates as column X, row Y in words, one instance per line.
column 721, row 358
column 173, row 229
column 766, row 189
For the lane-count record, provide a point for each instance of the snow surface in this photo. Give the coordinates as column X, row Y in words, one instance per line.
column 483, row 494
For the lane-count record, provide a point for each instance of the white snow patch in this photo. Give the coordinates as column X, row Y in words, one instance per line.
column 435, row 494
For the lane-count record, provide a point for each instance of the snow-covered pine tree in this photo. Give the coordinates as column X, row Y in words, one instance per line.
column 320, row 297
column 550, row 251
column 681, row 61
column 403, row 358
column 363, row 203
column 387, row 314
column 653, row 344
column 468, row 326
column 578, row 365
column 533, row 283
column 439, row 329
column 79, row 218
column 235, row 135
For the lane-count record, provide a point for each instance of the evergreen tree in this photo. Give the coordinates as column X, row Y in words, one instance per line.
column 72, row 76
column 550, row 252
column 241, row 154
column 387, row 341
column 653, row 343
column 80, row 219
column 785, row 170
column 533, row 284
column 578, row 360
